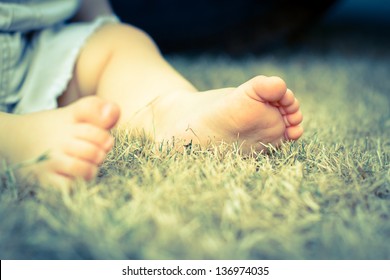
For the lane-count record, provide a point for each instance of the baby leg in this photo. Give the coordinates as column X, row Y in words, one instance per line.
column 122, row 64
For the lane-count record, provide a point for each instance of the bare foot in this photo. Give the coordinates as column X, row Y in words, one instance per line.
column 76, row 139
column 260, row 111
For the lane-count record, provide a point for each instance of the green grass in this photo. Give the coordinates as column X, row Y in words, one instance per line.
column 326, row 196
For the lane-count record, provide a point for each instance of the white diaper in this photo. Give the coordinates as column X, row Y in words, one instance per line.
column 53, row 54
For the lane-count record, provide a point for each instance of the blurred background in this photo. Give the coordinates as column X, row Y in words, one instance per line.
column 361, row 12
column 239, row 26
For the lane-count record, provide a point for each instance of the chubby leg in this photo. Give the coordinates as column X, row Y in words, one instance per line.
column 122, row 64
column 75, row 139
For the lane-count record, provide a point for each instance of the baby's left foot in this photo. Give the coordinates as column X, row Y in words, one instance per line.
column 75, row 139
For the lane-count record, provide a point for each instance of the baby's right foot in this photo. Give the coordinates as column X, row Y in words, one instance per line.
column 76, row 139
column 259, row 112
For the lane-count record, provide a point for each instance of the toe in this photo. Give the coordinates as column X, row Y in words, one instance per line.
column 96, row 111
column 95, row 135
column 287, row 99
column 293, row 108
column 294, row 119
column 266, row 89
column 294, row 132
column 73, row 167
column 86, row 151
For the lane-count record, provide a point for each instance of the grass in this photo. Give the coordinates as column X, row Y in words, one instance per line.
column 326, row 196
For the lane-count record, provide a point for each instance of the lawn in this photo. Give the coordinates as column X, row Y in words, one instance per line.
column 326, row 196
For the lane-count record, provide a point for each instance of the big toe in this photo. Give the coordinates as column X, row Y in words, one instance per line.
column 96, row 111
column 266, row 89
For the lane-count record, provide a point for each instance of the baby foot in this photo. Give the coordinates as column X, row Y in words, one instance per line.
column 259, row 112
column 75, row 138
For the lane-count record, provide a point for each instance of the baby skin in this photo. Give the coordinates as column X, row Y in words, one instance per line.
column 121, row 65
column 75, row 139
column 260, row 111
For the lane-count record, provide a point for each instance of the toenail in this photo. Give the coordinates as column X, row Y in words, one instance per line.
column 92, row 172
column 107, row 110
column 101, row 155
column 109, row 143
